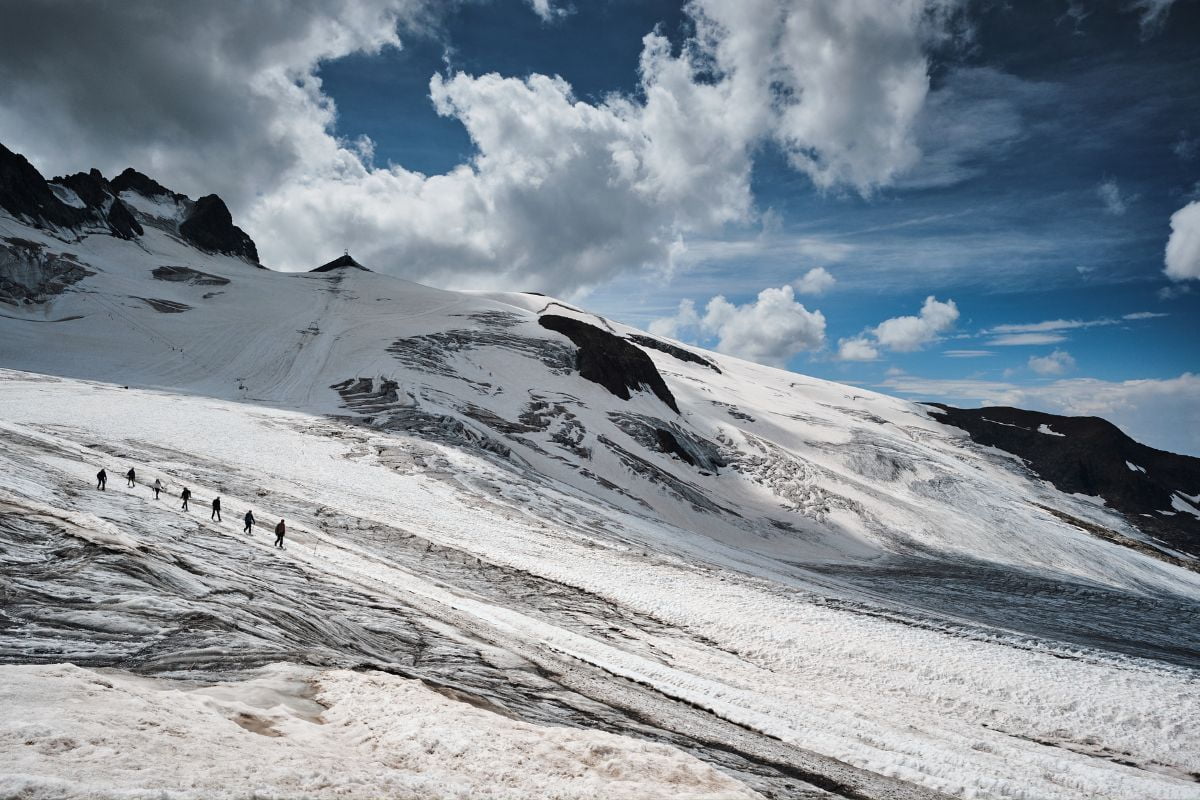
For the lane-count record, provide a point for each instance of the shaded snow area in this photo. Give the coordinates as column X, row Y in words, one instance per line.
column 1134, row 467
column 501, row 579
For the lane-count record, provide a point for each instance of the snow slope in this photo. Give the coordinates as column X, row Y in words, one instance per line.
column 838, row 595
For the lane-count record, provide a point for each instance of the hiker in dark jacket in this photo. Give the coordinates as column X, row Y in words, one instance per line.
column 280, row 530
column 216, row 509
column 158, row 487
column 185, row 494
column 249, row 518
column 131, row 476
column 101, row 479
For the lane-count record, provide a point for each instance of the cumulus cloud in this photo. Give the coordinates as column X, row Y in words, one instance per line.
column 1162, row 413
column 770, row 330
column 560, row 194
column 816, row 281
column 1183, row 247
column 912, row 333
column 857, row 348
column 902, row 334
column 1056, row 363
column 1110, row 195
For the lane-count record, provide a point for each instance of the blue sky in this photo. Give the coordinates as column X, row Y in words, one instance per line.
column 802, row 175
column 1061, row 216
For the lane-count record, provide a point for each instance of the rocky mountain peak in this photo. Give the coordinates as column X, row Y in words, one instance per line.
column 210, row 227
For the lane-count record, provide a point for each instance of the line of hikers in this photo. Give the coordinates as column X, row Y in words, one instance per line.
column 185, row 495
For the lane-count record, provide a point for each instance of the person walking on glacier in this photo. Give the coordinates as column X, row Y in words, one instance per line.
column 216, row 506
column 131, row 476
column 249, row 520
column 280, row 530
column 185, row 494
column 158, row 487
column 101, row 479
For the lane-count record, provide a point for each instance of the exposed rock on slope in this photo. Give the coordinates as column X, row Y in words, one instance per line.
column 609, row 360
column 342, row 262
column 210, row 227
column 672, row 350
column 1091, row 456
column 31, row 274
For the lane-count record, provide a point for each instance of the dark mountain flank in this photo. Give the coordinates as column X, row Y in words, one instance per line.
column 210, row 227
column 25, row 193
column 51, row 204
column 1091, row 456
column 610, row 360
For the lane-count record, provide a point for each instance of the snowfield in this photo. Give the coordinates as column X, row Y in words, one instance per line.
column 502, row 580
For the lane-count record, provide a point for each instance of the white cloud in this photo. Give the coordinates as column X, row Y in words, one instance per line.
column 1162, row 413
column 816, row 281
column 770, row 330
column 1056, row 363
column 560, row 194
column 1049, row 331
column 1019, row 339
column 858, row 348
column 906, row 334
column 1110, row 194
column 1183, row 248
column 547, row 9
column 967, row 353
column 902, row 334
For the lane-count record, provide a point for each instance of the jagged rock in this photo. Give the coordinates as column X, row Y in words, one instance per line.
column 210, row 227
column 1091, row 456
column 25, row 193
column 609, row 360
column 122, row 222
column 132, row 180
column 91, row 187
column 672, row 350
column 343, row 262
column 188, row 275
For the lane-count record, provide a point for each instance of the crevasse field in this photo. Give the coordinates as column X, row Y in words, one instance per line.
column 497, row 583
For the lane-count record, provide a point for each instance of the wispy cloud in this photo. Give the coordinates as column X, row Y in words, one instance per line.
column 1115, row 203
column 1018, row 339
column 967, row 353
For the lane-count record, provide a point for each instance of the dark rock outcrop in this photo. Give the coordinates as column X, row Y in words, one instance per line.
column 102, row 204
column 25, row 193
column 29, row 273
column 1091, row 456
column 672, row 350
column 122, row 222
column 210, row 227
column 91, row 187
column 188, row 275
column 343, row 262
column 132, row 180
column 609, row 360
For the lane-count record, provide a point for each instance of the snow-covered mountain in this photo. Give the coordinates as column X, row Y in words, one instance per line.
column 647, row 569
